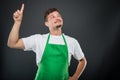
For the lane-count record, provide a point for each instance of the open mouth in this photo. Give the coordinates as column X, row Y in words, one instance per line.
column 58, row 26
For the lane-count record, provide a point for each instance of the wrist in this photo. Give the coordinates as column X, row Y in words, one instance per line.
column 17, row 22
column 76, row 76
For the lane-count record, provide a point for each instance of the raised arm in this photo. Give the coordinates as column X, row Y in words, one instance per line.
column 13, row 40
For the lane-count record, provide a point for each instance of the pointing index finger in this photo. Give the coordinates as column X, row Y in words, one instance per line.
column 22, row 8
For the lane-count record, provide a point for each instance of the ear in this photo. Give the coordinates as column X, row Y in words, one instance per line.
column 46, row 23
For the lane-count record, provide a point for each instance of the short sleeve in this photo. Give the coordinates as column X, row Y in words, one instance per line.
column 78, row 53
column 29, row 43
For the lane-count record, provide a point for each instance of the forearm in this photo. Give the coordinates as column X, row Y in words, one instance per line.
column 14, row 34
column 80, row 68
column 13, row 39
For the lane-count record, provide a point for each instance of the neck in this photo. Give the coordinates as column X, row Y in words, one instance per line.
column 56, row 32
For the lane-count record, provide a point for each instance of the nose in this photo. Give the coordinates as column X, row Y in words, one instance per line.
column 57, row 17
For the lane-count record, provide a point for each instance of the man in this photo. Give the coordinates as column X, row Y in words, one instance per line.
column 53, row 50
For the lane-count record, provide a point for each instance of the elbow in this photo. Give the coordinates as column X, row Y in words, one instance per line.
column 9, row 44
column 84, row 61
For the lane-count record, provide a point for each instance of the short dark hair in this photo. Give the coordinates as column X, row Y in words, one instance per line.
column 50, row 10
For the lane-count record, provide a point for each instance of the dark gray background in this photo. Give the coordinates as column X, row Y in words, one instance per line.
column 94, row 23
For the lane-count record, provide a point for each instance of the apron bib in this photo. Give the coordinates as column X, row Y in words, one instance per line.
column 54, row 62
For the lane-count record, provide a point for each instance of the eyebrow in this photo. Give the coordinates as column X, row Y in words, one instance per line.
column 53, row 15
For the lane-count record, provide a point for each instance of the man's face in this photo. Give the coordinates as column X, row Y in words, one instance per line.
column 54, row 20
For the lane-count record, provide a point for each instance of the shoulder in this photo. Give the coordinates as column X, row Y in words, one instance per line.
column 69, row 38
column 35, row 36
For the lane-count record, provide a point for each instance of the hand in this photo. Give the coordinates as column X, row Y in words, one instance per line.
column 17, row 16
column 73, row 78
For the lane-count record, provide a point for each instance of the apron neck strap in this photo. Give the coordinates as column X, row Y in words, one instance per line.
column 62, row 37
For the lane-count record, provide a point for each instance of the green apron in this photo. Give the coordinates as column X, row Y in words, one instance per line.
column 54, row 62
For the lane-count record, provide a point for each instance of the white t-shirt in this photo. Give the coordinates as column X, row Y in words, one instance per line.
column 37, row 43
